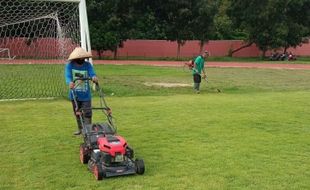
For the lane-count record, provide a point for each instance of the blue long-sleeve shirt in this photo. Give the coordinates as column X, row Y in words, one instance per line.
column 73, row 71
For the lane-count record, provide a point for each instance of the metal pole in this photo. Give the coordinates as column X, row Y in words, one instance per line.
column 84, row 29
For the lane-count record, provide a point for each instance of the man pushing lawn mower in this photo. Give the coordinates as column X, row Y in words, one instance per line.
column 77, row 67
column 106, row 153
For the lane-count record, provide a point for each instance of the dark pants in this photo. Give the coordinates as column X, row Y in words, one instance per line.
column 86, row 113
column 197, row 81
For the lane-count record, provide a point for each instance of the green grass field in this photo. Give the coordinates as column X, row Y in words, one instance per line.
column 255, row 134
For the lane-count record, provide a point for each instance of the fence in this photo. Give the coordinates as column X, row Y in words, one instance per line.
column 162, row 48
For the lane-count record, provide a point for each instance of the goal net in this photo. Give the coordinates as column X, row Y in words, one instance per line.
column 36, row 37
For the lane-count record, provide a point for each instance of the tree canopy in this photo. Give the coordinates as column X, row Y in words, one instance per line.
column 270, row 24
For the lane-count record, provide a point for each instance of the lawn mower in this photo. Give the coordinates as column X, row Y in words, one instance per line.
column 106, row 153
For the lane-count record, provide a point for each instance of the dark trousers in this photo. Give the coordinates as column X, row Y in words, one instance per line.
column 86, row 113
column 197, row 81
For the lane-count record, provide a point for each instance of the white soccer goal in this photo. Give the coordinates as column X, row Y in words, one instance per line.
column 43, row 29
column 5, row 53
column 40, row 32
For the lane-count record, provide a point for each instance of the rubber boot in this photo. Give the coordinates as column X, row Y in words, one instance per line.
column 196, row 87
column 79, row 131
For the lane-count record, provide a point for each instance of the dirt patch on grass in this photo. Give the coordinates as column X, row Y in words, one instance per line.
column 167, row 85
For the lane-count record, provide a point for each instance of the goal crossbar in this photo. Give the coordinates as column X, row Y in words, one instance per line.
column 77, row 1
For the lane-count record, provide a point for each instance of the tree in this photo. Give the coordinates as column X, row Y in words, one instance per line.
column 147, row 23
column 110, row 22
column 203, row 24
column 271, row 24
column 223, row 25
column 176, row 16
column 298, row 25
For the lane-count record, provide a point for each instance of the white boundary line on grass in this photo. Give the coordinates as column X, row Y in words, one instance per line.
column 26, row 99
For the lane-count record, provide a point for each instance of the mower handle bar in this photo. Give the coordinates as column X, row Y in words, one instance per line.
column 96, row 108
column 83, row 78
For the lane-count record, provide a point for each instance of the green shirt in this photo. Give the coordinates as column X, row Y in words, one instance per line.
column 199, row 64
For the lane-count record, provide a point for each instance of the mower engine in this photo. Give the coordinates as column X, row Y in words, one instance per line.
column 114, row 147
column 190, row 64
column 108, row 154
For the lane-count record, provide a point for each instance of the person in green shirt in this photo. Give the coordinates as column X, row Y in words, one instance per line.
column 199, row 71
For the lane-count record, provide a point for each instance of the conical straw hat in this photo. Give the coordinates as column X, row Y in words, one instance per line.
column 79, row 53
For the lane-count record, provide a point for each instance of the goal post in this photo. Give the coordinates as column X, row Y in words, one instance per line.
column 36, row 38
column 6, row 54
column 84, row 29
column 34, row 20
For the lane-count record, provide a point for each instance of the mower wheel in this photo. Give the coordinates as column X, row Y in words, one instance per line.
column 84, row 155
column 139, row 166
column 98, row 172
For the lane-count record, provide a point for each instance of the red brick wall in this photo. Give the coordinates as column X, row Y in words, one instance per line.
column 49, row 47
column 38, row 48
column 162, row 48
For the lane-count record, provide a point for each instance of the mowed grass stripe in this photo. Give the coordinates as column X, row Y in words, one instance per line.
column 39, row 81
column 206, row 141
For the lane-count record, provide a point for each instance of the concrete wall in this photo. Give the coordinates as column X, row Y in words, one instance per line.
column 37, row 48
column 162, row 48
column 50, row 48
